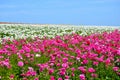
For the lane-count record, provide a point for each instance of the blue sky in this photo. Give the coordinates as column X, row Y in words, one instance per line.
column 77, row 12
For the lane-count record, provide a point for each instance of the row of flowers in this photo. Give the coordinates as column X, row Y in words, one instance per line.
column 67, row 57
column 19, row 31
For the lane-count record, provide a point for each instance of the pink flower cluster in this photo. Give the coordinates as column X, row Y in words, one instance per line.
column 64, row 56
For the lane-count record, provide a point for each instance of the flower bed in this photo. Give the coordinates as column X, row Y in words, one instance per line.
column 15, row 31
column 68, row 57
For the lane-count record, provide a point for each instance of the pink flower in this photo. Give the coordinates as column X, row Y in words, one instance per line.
column 58, row 64
column 36, row 79
column 118, row 52
column 60, row 79
column 78, row 59
column 85, row 61
column 107, row 61
column 11, row 76
column 20, row 64
column 62, row 71
column 65, row 65
column 94, row 75
column 25, row 79
column 74, row 41
column 72, row 57
column 31, row 73
column 65, row 60
column 82, row 77
column 1, row 56
column 19, row 56
column 21, row 51
column 66, row 77
column 95, row 63
column 82, row 69
column 6, row 63
column 30, row 68
column 91, row 70
column 52, row 78
column 51, row 71
column 73, row 69
column 115, row 68
column 72, row 74
column 27, row 55
column 27, row 49
column 100, row 59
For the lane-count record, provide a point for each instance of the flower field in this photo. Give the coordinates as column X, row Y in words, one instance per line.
column 59, row 52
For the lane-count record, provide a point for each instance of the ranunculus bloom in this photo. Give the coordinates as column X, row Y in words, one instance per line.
column 91, row 70
column 95, row 63
column 67, row 77
column 73, row 69
column 82, row 77
column 11, row 76
column 65, row 65
column 60, row 79
column 94, row 75
column 51, row 71
column 20, row 63
column 115, row 68
column 65, row 60
column 52, row 78
column 82, row 69
column 36, row 79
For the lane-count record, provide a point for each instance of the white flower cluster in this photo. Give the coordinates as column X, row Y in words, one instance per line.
column 18, row 31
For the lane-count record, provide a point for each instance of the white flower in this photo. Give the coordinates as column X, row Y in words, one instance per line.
column 37, row 55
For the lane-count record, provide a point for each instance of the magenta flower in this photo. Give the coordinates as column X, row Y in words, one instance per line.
column 30, row 73
column 1, row 56
column 58, row 64
column 85, row 61
column 67, row 77
column 20, row 64
column 6, row 63
column 115, row 68
column 91, row 70
column 36, row 79
column 27, row 49
column 65, row 65
column 82, row 69
column 62, row 71
column 19, row 56
column 65, row 60
column 107, row 61
column 94, row 75
column 51, row 71
column 118, row 52
column 82, row 77
column 11, row 76
column 60, row 79
column 25, row 79
column 52, row 78
column 27, row 55
column 72, row 74
column 73, row 69
column 95, row 63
